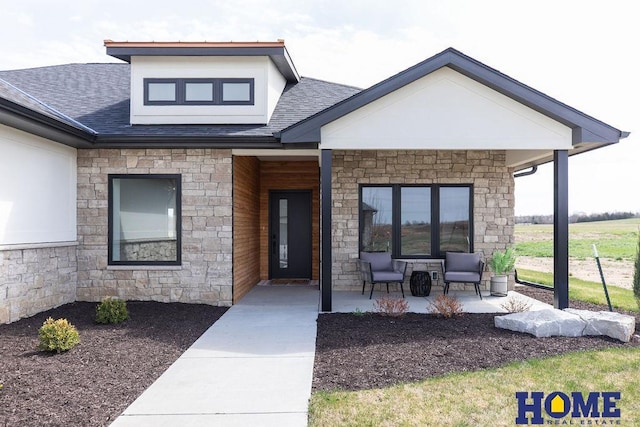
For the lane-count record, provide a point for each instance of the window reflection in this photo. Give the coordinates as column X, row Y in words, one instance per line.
column 284, row 238
column 454, row 219
column 377, row 216
column 415, row 229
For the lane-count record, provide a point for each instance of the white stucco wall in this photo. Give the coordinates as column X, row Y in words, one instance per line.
column 449, row 111
column 37, row 189
column 276, row 83
column 268, row 86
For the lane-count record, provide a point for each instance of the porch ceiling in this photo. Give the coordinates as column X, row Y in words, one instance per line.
column 265, row 155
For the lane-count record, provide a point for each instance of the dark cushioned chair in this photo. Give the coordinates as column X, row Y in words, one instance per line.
column 462, row 268
column 378, row 267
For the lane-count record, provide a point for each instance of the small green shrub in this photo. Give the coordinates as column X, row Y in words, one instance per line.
column 57, row 335
column 359, row 313
column 112, row 310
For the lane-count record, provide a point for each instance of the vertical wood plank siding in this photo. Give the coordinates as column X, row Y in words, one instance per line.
column 246, row 227
column 291, row 175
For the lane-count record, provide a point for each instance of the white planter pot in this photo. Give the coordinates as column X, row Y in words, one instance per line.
column 499, row 286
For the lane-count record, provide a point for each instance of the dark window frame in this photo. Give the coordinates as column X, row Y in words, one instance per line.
column 181, row 84
column 251, row 82
column 396, row 224
column 178, row 181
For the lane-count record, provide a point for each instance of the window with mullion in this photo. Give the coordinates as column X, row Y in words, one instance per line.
column 416, row 221
column 199, row 91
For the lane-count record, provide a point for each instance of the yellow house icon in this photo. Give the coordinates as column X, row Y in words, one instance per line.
column 557, row 404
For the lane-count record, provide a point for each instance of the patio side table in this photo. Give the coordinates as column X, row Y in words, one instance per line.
column 420, row 283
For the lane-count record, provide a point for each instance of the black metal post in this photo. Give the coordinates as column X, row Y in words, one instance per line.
column 561, row 229
column 326, row 165
column 604, row 284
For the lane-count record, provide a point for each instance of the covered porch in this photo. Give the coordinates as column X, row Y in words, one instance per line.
column 448, row 121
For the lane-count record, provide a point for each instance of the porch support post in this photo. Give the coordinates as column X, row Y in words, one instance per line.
column 326, row 260
column 561, row 229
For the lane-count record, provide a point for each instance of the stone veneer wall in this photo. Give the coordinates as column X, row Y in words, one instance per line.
column 35, row 279
column 493, row 201
column 206, row 272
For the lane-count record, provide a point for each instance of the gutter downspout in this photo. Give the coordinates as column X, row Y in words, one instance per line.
column 533, row 170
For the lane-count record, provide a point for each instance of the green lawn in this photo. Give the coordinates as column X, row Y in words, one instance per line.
column 615, row 239
column 584, row 290
column 485, row 397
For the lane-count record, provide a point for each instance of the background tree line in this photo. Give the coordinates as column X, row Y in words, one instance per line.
column 576, row 217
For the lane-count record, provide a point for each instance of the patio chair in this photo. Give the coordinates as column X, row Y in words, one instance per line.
column 378, row 267
column 460, row 267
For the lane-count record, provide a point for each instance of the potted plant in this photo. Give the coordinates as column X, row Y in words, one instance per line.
column 501, row 263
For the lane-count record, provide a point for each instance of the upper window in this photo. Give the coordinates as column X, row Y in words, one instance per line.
column 144, row 220
column 416, row 221
column 159, row 91
column 219, row 91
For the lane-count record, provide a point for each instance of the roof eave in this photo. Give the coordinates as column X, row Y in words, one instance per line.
column 201, row 141
column 276, row 51
column 585, row 128
column 30, row 121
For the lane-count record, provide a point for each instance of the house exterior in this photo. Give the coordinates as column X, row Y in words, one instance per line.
column 192, row 171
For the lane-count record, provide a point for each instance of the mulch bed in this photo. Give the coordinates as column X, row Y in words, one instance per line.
column 94, row 382
column 355, row 352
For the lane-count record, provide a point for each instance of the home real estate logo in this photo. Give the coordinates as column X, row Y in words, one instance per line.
column 596, row 408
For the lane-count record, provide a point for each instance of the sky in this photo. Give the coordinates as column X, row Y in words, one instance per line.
column 584, row 53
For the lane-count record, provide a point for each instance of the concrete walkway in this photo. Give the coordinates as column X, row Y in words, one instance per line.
column 254, row 367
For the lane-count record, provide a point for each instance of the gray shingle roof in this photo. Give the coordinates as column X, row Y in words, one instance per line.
column 19, row 98
column 97, row 96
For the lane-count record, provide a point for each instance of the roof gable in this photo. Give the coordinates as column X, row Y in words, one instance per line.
column 584, row 128
column 445, row 110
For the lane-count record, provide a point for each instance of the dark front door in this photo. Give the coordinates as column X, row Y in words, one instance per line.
column 290, row 234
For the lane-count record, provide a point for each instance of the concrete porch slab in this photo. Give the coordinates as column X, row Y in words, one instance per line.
column 351, row 301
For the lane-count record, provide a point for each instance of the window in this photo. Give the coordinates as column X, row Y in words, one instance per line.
column 416, row 221
column 162, row 91
column 195, row 92
column 220, row 91
column 144, row 220
column 236, row 91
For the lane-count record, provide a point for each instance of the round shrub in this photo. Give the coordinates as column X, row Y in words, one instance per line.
column 57, row 335
column 112, row 310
